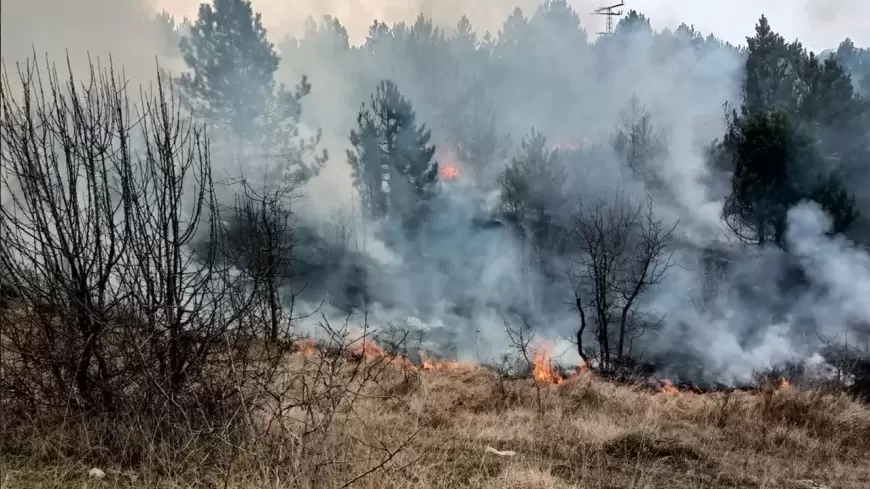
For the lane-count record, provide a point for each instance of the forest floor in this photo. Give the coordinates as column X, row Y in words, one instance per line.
column 466, row 427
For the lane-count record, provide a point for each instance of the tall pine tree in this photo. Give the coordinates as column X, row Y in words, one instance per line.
column 536, row 192
column 798, row 127
column 391, row 160
column 231, row 84
column 857, row 61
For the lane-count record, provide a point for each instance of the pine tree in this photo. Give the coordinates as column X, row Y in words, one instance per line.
column 535, row 191
column 775, row 165
column 799, row 129
column 471, row 125
column 772, row 71
column 170, row 33
column 464, row 41
column 232, row 66
column 231, row 84
column 391, row 160
column 636, row 141
column 857, row 61
column 515, row 37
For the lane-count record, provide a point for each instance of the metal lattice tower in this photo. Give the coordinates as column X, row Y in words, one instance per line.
column 609, row 13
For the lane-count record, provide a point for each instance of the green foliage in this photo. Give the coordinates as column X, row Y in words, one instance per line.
column 231, row 84
column 636, row 141
column 535, row 190
column 799, row 127
column 775, row 166
column 857, row 61
column 771, row 72
column 232, row 66
column 391, row 160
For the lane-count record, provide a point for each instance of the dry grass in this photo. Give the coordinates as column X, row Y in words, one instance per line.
column 593, row 434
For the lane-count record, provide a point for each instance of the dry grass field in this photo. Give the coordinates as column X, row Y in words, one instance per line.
column 458, row 426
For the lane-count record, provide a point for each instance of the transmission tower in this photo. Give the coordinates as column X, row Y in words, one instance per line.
column 609, row 13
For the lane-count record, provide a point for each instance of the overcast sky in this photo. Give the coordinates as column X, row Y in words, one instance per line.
column 818, row 23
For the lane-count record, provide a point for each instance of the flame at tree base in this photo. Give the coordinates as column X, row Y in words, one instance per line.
column 543, row 369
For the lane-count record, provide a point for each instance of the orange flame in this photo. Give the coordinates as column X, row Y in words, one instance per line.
column 784, row 383
column 543, row 368
column 443, row 365
column 306, row 348
column 667, row 387
column 368, row 349
column 448, row 172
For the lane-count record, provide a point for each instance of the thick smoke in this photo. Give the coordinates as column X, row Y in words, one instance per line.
column 821, row 23
column 125, row 30
column 473, row 270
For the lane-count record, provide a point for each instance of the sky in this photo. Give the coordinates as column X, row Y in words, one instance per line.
column 820, row 24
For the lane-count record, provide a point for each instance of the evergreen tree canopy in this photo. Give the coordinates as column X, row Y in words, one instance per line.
column 232, row 66
column 472, row 130
column 535, row 190
column 637, row 142
column 231, row 84
column 391, row 160
column 775, row 166
column 170, row 33
column 800, row 127
column 857, row 61
column 771, row 71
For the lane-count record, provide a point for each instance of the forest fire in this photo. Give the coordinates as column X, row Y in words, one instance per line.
column 543, row 369
column 306, row 347
column 444, row 365
column 448, row 172
column 368, row 349
column 668, row 387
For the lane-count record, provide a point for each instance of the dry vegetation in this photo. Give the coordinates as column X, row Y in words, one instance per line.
column 130, row 352
column 378, row 423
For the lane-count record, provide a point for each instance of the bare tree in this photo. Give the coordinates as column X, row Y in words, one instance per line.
column 261, row 242
column 623, row 250
column 104, row 204
column 61, row 150
column 118, row 312
column 521, row 341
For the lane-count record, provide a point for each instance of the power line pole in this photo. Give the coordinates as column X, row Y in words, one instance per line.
column 609, row 13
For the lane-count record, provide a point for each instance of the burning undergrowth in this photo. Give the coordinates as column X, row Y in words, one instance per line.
column 540, row 368
column 474, row 260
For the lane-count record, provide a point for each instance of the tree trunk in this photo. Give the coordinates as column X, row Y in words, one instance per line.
column 273, row 309
column 580, row 333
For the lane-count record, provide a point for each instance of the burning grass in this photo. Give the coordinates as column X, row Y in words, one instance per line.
column 451, row 425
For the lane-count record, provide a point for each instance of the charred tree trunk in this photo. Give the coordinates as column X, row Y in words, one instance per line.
column 580, row 332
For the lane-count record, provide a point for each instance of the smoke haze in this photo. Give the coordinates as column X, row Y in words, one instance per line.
column 819, row 23
column 459, row 283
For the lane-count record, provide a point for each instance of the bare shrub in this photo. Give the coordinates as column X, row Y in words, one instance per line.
column 118, row 315
column 129, row 344
column 624, row 251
